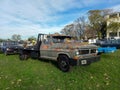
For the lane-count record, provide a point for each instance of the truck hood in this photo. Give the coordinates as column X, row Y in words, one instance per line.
column 72, row 46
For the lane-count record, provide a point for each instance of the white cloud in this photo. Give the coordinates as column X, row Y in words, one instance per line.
column 34, row 16
column 27, row 30
column 116, row 8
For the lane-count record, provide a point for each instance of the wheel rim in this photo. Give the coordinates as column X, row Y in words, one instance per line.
column 21, row 57
column 64, row 65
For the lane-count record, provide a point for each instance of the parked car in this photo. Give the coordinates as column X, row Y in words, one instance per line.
column 106, row 49
column 0, row 47
column 109, row 43
column 9, row 47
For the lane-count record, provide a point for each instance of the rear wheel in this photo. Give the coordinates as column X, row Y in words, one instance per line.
column 63, row 63
column 23, row 56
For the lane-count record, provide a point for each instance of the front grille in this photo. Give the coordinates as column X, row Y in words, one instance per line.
column 83, row 52
column 86, row 51
column 93, row 50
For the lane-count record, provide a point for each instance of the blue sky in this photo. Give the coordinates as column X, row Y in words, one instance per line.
column 30, row 17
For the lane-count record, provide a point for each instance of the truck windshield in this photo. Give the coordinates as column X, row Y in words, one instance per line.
column 60, row 39
column 10, row 43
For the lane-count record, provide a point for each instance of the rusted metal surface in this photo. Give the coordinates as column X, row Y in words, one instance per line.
column 56, row 45
column 61, row 48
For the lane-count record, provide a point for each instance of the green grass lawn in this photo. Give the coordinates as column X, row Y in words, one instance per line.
column 44, row 75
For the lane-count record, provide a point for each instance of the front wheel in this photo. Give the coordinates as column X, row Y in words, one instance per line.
column 63, row 63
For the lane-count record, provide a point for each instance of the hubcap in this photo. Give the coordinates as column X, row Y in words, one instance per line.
column 63, row 64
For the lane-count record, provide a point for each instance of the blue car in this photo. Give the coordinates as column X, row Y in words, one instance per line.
column 109, row 43
column 106, row 49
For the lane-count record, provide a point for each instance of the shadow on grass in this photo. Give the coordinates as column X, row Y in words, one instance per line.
column 1, row 52
column 54, row 63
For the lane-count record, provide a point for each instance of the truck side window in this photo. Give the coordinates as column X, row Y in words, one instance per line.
column 46, row 41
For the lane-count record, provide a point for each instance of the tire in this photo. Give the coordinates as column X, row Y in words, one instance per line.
column 23, row 56
column 5, row 53
column 63, row 63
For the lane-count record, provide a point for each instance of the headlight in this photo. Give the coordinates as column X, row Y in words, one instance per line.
column 77, row 53
column 96, row 51
column 7, row 49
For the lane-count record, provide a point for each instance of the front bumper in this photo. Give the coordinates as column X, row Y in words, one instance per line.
column 12, row 51
column 85, row 61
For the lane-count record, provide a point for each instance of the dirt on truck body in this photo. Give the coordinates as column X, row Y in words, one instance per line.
column 63, row 49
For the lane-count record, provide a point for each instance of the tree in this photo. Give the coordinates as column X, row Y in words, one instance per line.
column 89, row 33
column 114, row 26
column 16, row 37
column 1, row 40
column 68, row 30
column 97, row 21
column 76, row 29
column 79, row 27
column 32, row 38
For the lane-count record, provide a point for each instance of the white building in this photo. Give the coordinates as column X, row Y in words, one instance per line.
column 113, row 18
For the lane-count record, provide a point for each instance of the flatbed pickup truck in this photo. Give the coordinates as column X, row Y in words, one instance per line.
column 63, row 49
